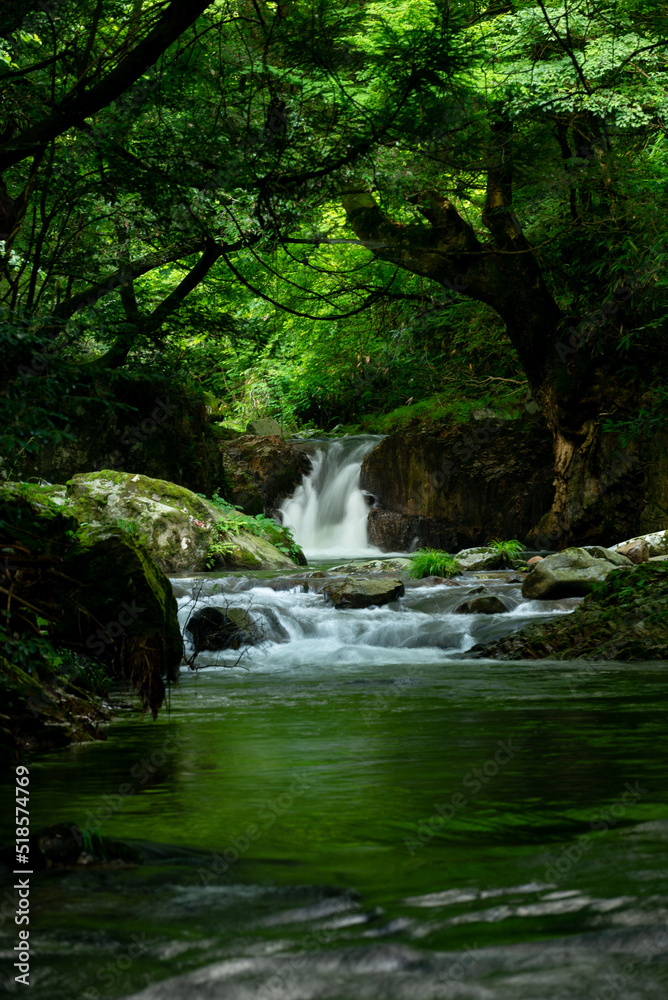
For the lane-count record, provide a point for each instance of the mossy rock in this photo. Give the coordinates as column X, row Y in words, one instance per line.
column 180, row 529
column 96, row 588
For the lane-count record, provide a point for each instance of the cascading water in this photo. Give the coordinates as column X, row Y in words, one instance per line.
column 328, row 512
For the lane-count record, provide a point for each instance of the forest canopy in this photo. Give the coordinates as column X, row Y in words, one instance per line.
column 317, row 210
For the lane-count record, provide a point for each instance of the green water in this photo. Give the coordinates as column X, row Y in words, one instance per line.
column 325, row 834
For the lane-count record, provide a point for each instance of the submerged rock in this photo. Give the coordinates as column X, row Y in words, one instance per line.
column 486, row 604
column 213, row 628
column 66, row 845
column 355, row 593
column 571, row 573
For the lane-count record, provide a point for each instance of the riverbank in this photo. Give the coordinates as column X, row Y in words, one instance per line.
column 626, row 618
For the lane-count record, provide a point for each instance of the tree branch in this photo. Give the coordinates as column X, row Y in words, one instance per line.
column 84, row 103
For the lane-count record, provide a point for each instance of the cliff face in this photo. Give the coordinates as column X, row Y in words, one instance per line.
column 455, row 487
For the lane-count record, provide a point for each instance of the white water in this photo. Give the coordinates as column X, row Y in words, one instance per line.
column 328, row 512
column 301, row 631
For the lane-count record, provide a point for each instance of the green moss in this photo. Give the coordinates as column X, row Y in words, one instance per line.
column 444, row 408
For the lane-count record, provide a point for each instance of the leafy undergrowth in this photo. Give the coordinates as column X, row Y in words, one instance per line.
column 447, row 407
column 626, row 618
column 259, row 525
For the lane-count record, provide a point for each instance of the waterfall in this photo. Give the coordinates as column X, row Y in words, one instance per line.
column 328, row 512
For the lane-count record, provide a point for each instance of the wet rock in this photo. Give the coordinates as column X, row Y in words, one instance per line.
column 373, row 566
column 609, row 625
column 274, row 632
column 637, row 551
column 263, row 471
column 356, row 593
column 571, row 573
column 264, row 426
column 454, row 486
column 213, row 628
column 486, row 604
column 483, row 557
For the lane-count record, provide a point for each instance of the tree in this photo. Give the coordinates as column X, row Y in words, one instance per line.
column 511, row 156
column 555, row 92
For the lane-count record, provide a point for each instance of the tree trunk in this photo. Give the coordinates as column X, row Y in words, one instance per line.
column 598, row 481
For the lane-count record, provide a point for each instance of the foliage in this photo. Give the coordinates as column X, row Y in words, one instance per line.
column 431, row 562
column 508, row 550
column 190, row 224
column 235, row 521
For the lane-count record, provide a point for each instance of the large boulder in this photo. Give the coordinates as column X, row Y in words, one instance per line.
column 355, row 593
column 135, row 427
column 262, row 471
column 571, row 573
column 182, row 531
column 449, row 487
column 483, row 557
column 96, row 586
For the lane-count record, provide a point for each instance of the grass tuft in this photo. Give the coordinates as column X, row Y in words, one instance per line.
column 431, row 562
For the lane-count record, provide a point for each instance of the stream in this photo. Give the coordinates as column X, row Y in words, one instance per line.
column 352, row 809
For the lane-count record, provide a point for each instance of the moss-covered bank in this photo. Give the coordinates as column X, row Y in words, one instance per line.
column 626, row 618
column 75, row 597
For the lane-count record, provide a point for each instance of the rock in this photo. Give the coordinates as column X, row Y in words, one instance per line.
column 627, row 623
column 105, row 596
column 373, row 566
column 534, row 560
column 66, row 845
column 264, row 426
column 656, row 541
column 455, row 486
column 262, row 471
column 167, row 518
column 488, row 604
column 484, row 557
column 571, row 573
column 165, row 437
column 598, row 552
column 212, row 628
column 355, row 593
column 637, row 552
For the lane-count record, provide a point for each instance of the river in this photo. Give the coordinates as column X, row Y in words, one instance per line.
column 357, row 811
